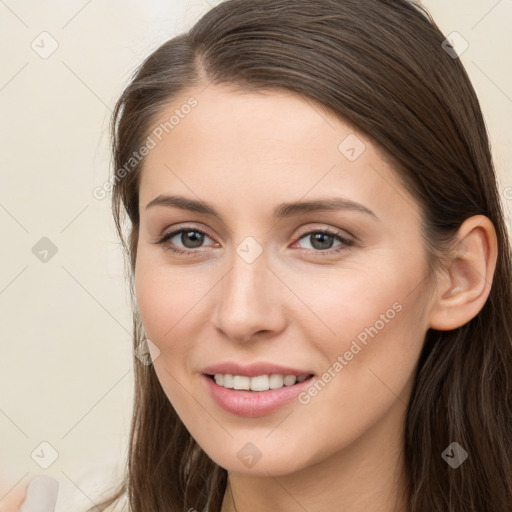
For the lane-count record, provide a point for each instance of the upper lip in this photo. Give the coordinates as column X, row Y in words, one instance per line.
column 253, row 370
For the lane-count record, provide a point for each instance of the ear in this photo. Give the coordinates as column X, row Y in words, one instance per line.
column 467, row 279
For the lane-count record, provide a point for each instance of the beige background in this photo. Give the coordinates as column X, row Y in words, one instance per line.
column 66, row 363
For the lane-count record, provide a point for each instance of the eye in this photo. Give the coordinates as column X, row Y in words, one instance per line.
column 322, row 240
column 190, row 237
column 193, row 238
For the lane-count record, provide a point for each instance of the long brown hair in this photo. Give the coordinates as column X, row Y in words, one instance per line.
column 381, row 65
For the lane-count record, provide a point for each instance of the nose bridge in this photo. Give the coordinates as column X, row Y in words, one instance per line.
column 246, row 282
column 247, row 301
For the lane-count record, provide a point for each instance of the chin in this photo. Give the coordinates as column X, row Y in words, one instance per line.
column 284, row 464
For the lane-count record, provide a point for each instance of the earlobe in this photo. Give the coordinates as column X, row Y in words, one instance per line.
column 465, row 287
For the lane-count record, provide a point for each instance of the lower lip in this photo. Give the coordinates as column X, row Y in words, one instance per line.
column 254, row 403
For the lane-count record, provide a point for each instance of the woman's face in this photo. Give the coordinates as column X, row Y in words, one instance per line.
column 261, row 288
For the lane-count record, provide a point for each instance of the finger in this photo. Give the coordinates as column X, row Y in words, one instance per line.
column 41, row 494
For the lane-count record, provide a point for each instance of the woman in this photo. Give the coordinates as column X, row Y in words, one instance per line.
column 319, row 265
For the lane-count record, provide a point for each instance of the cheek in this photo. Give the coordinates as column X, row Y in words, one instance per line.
column 372, row 356
column 338, row 305
column 165, row 301
column 165, row 296
column 173, row 307
column 370, row 328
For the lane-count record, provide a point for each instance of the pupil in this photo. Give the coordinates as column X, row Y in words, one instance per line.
column 196, row 239
column 320, row 239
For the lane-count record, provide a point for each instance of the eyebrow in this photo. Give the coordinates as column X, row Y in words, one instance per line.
column 281, row 211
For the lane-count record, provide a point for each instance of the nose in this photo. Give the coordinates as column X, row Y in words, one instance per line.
column 249, row 301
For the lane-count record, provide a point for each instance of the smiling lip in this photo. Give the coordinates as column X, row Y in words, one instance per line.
column 253, row 370
column 253, row 403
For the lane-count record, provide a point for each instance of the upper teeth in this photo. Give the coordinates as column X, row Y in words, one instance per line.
column 259, row 383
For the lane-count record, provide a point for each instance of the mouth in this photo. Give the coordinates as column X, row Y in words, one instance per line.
column 257, row 396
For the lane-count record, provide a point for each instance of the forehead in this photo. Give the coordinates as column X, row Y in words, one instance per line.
column 247, row 149
column 246, row 121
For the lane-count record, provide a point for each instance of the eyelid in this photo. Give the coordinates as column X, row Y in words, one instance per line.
column 185, row 226
column 332, row 231
column 302, row 231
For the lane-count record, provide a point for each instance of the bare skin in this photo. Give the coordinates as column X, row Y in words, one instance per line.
column 298, row 303
column 12, row 499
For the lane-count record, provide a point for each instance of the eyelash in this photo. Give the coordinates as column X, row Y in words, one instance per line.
column 192, row 252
